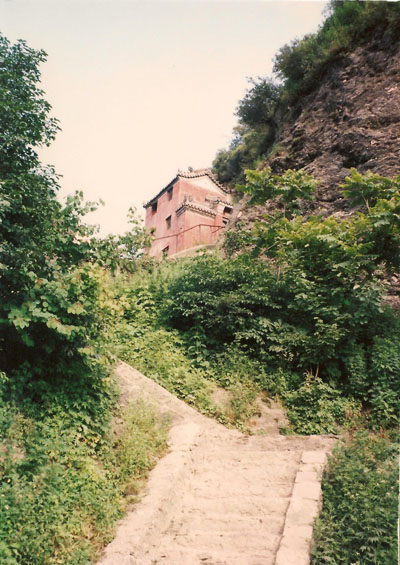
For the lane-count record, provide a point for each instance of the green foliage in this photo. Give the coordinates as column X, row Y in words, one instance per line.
column 62, row 484
column 303, row 296
column 160, row 355
column 137, row 446
column 383, row 375
column 369, row 188
column 317, row 408
column 302, row 63
column 217, row 296
column 121, row 252
column 381, row 197
column 257, row 108
column 243, row 395
column 289, row 188
column 358, row 523
column 181, row 361
column 153, row 350
column 62, row 471
column 245, row 151
column 24, row 120
column 49, row 300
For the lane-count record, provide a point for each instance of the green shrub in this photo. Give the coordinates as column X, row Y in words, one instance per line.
column 62, row 484
column 317, row 408
column 302, row 296
column 289, row 188
column 358, row 522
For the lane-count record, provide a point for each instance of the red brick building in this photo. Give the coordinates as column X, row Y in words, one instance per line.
column 190, row 211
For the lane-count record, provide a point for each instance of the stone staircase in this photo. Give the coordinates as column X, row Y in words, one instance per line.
column 219, row 497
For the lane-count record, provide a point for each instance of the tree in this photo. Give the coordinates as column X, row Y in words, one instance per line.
column 51, row 292
column 257, row 108
column 290, row 188
column 24, row 118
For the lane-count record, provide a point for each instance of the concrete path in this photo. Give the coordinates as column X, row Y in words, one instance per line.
column 219, row 497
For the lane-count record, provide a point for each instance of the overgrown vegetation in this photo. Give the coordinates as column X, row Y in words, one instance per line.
column 299, row 68
column 63, row 486
column 179, row 361
column 358, row 523
column 298, row 302
column 294, row 309
column 63, row 471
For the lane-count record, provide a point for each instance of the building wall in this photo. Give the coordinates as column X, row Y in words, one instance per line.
column 157, row 220
column 196, row 229
column 184, row 231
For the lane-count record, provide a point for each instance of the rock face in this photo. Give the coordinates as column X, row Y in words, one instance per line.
column 351, row 120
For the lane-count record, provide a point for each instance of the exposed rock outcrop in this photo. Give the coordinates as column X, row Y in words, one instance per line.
column 351, row 119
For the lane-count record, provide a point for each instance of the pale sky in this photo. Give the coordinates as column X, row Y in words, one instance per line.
column 145, row 88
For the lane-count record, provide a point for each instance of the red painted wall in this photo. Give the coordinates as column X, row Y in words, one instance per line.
column 190, row 228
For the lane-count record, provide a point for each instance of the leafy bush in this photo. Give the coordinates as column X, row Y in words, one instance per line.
column 62, row 484
column 245, row 151
column 289, row 188
column 367, row 189
column 303, row 296
column 358, row 522
column 257, row 108
column 317, row 408
column 181, row 361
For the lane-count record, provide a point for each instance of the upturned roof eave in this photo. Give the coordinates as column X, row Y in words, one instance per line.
column 189, row 175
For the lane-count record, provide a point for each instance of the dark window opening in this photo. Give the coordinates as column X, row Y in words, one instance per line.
column 225, row 221
column 170, row 193
column 168, row 220
column 165, row 251
column 154, row 207
column 227, row 210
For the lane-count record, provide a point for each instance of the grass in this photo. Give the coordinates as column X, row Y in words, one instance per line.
column 62, row 491
column 161, row 355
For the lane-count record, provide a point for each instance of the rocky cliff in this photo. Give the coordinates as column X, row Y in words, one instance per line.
column 352, row 119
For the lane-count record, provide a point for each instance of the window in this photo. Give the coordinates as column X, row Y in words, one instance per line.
column 154, row 207
column 168, row 220
column 165, row 251
column 170, row 193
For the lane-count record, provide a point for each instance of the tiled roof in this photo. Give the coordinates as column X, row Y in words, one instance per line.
column 201, row 173
column 219, row 201
column 187, row 205
column 191, row 174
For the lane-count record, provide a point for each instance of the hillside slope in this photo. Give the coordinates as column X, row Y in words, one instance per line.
column 351, row 119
